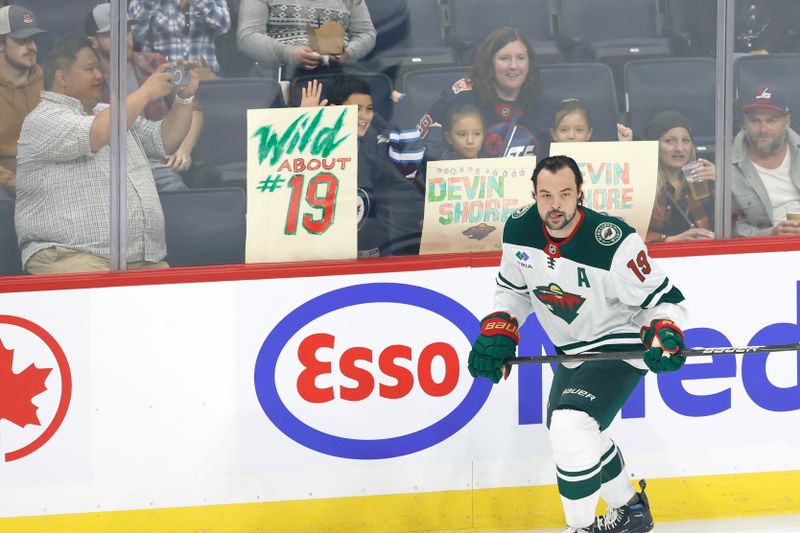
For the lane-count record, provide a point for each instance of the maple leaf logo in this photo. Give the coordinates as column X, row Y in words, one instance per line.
column 17, row 390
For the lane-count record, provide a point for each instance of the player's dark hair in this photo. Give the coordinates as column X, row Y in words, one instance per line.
column 553, row 164
column 346, row 85
column 61, row 56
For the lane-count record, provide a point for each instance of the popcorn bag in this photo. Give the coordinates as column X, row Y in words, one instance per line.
column 328, row 39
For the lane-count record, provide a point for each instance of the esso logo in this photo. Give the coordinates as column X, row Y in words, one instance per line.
column 35, row 387
column 371, row 371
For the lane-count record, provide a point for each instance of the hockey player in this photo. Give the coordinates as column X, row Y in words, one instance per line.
column 594, row 288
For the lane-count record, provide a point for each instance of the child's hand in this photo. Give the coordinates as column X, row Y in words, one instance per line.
column 310, row 95
column 624, row 133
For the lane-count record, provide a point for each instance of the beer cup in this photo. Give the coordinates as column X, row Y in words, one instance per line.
column 793, row 210
column 698, row 187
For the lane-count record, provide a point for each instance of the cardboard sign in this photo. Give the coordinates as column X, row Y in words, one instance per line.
column 468, row 201
column 619, row 178
column 301, row 184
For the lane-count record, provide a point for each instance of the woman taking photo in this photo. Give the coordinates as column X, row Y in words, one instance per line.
column 684, row 204
column 504, row 85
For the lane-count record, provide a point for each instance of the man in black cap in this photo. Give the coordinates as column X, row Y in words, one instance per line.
column 766, row 166
column 20, row 85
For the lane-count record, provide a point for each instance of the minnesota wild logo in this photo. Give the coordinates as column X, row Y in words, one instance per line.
column 607, row 233
column 564, row 305
column 521, row 211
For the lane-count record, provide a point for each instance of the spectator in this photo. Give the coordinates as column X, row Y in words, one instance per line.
column 63, row 164
column 766, row 166
column 388, row 161
column 141, row 66
column 20, row 85
column 274, row 33
column 679, row 212
column 463, row 133
column 504, row 84
column 181, row 29
column 760, row 27
column 571, row 123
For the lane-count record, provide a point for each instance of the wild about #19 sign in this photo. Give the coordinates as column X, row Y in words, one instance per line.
column 301, row 184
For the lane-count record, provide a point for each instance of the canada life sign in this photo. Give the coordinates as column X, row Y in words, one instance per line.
column 371, row 351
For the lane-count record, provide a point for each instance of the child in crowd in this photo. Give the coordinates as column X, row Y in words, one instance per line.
column 571, row 123
column 389, row 204
column 463, row 133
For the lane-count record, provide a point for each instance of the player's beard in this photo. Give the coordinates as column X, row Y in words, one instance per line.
column 565, row 219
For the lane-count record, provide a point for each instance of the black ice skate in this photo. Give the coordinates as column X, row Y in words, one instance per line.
column 635, row 518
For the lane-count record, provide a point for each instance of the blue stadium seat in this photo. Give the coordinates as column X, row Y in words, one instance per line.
column 10, row 263
column 592, row 84
column 474, row 20
column 204, row 226
column 233, row 62
column 611, row 32
column 223, row 142
column 379, row 84
column 680, row 84
column 419, row 44
column 391, row 21
column 780, row 70
column 685, row 20
column 422, row 88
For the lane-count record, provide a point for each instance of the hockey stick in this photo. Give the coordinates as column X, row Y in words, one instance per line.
column 616, row 356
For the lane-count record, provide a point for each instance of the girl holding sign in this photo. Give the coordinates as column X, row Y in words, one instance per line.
column 571, row 124
column 684, row 202
column 463, row 133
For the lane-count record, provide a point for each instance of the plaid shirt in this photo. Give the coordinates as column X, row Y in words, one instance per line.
column 165, row 28
column 670, row 217
column 63, row 195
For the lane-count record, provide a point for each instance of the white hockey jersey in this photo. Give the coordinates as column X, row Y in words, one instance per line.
column 591, row 291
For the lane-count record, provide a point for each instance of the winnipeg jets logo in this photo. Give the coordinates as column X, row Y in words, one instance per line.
column 563, row 304
column 764, row 94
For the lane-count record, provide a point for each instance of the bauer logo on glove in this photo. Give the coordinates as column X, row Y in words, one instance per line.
column 496, row 344
column 664, row 341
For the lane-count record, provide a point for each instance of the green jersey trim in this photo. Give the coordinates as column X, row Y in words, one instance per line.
column 653, row 294
column 600, row 343
column 509, row 285
column 672, row 296
column 593, row 244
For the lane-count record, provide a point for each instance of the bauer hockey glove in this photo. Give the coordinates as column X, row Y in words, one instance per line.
column 496, row 343
column 664, row 341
